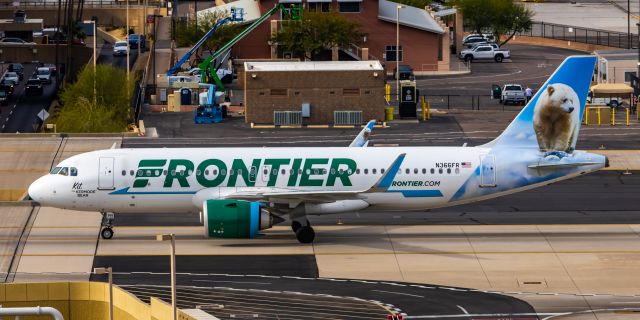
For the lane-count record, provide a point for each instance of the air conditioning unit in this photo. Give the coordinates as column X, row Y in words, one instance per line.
column 341, row 118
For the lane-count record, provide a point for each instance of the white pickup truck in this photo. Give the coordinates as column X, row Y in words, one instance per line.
column 513, row 93
column 488, row 51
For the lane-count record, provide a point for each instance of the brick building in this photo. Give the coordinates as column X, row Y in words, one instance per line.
column 322, row 87
column 424, row 38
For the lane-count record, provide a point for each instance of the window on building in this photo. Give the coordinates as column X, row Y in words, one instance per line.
column 318, row 6
column 349, row 7
column 628, row 74
column 390, row 53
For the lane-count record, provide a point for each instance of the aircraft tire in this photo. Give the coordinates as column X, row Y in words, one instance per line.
column 295, row 225
column 106, row 233
column 305, row 234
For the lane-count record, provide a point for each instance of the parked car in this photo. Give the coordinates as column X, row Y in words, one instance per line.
column 11, row 76
column 486, row 36
column 120, row 48
column 513, row 93
column 52, row 68
column 473, row 41
column 34, row 87
column 136, row 40
column 44, row 74
column 485, row 52
column 13, row 41
column 406, row 72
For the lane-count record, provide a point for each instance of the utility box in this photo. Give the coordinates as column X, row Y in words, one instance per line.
column 306, row 110
column 408, row 99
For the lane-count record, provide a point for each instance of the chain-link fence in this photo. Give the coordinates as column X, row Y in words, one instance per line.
column 582, row 35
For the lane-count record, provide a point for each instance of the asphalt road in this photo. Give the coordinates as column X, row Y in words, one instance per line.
column 106, row 57
column 20, row 114
column 206, row 273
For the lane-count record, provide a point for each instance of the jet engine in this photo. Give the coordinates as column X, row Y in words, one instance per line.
column 235, row 218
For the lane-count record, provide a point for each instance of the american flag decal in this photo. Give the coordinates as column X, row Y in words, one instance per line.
column 465, row 164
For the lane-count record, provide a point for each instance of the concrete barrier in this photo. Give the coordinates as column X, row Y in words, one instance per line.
column 85, row 300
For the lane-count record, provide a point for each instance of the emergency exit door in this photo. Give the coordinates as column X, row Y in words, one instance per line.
column 105, row 174
column 488, row 171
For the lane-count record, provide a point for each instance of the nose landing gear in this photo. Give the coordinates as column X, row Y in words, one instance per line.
column 107, row 225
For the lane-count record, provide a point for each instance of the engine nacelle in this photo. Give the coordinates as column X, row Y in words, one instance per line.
column 234, row 218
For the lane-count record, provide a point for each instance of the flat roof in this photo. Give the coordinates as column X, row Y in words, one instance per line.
column 313, row 65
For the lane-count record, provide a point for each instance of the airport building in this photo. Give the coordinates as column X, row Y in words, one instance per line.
column 424, row 41
column 322, row 92
column 616, row 66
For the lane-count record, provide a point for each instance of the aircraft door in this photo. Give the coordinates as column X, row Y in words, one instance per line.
column 487, row 171
column 106, row 174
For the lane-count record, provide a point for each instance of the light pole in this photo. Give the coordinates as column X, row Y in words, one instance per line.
column 95, row 75
column 108, row 271
column 397, row 73
column 128, row 47
column 629, row 40
column 171, row 237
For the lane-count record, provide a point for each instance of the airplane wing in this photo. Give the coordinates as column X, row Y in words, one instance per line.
column 362, row 139
column 285, row 195
column 550, row 166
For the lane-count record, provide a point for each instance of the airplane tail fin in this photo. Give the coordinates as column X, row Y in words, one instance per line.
column 551, row 119
column 362, row 139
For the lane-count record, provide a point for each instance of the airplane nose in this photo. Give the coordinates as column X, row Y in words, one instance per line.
column 37, row 190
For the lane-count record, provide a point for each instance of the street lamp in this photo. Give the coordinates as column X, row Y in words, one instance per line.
column 108, row 271
column 128, row 48
column 95, row 75
column 171, row 237
column 397, row 73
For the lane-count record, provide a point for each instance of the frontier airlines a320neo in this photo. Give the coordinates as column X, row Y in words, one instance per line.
column 240, row 191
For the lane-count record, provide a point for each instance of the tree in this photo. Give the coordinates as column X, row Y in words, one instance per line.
column 316, row 32
column 187, row 34
column 109, row 113
column 498, row 17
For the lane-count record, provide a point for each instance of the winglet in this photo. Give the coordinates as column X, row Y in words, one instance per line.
column 385, row 181
column 362, row 139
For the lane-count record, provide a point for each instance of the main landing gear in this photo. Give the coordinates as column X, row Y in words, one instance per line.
column 107, row 225
column 303, row 230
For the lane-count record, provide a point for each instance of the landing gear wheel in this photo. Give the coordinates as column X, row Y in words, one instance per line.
column 295, row 225
column 106, row 233
column 305, row 234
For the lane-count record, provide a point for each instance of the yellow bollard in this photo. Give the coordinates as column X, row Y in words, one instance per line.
column 428, row 110
column 424, row 110
column 628, row 111
column 387, row 90
column 613, row 117
column 586, row 116
column 599, row 116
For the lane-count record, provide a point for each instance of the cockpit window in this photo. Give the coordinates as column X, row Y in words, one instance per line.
column 64, row 171
column 55, row 170
column 73, row 171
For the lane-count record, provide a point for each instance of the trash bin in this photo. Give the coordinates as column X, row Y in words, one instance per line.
column 388, row 112
column 496, row 91
column 185, row 96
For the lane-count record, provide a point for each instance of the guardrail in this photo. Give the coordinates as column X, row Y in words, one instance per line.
column 582, row 35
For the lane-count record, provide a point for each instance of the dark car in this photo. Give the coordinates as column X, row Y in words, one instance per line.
column 34, row 86
column 406, row 72
column 17, row 68
column 7, row 85
column 4, row 96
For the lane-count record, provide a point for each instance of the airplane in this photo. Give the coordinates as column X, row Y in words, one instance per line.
column 240, row 191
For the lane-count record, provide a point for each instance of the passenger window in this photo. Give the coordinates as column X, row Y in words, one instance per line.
column 253, row 171
column 424, row 171
column 206, row 172
column 433, row 171
column 190, row 172
column 366, row 171
column 274, row 172
column 131, row 172
column 382, row 171
column 266, row 172
column 173, row 173
column 164, row 172
column 449, row 170
column 373, row 171
column 239, row 171
column 457, row 170
column 64, row 171
column 124, row 172
column 223, row 172
column 291, row 171
column 148, row 173
column 341, row 171
column 333, row 171
column 440, row 171
column 407, row 171
column 198, row 172
column 283, row 172
column 215, row 172
column 357, row 171
column 157, row 173
column 415, row 171
column 55, row 170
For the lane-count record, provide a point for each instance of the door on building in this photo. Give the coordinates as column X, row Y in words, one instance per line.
column 105, row 174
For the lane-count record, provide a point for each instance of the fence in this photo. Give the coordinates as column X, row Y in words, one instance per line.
column 582, row 35
column 86, row 4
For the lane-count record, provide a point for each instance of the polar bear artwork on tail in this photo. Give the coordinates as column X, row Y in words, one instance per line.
column 556, row 118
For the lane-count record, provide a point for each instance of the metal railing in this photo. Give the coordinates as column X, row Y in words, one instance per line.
column 287, row 118
column 582, row 35
column 347, row 117
column 86, row 4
